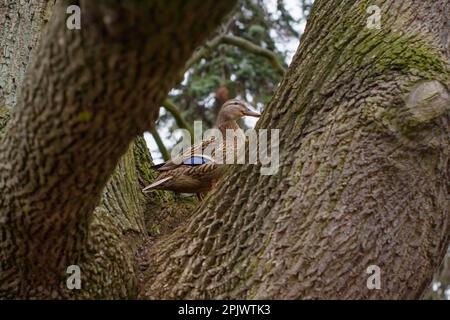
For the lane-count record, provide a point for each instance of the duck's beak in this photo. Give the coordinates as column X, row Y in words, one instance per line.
column 252, row 113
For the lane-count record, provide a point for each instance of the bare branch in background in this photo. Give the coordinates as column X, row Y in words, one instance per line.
column 241, row 43
column 175, row 112
column 162, row 148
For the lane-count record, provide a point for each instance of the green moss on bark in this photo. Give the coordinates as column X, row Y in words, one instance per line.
column 408, row 53
column 144, row 161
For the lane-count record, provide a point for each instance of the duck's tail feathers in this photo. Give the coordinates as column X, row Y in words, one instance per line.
column 154, row 185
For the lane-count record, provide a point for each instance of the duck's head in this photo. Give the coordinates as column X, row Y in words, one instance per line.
column 235, row 109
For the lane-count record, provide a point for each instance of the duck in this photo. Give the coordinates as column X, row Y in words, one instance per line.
column 194, row 171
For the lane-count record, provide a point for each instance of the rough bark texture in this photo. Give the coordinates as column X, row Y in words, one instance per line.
column 441, row 282
column 363, row 179
column 121, row 198
column 21, row 24
column 87, row 94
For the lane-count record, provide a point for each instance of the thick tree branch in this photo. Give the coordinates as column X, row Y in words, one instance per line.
column 162, row 148
column 84, row 99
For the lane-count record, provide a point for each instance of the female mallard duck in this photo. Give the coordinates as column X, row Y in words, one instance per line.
column 196, row 172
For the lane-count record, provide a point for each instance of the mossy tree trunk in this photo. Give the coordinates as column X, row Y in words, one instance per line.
column 364, row 153
column 87, row 94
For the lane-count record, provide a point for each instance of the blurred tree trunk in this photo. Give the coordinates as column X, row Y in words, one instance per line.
column 22, row 26
column 53, row 210
column 363, row 178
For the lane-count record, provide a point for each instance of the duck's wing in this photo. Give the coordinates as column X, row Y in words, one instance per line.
column 156, row 183
column 192, row 157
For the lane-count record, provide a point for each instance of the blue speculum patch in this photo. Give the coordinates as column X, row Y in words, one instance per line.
column 196, row 160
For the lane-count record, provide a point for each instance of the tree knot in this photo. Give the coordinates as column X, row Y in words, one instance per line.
column 427, row 101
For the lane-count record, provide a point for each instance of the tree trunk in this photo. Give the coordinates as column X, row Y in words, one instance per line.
column 363, row 178
column 21, row 25
column 87, row 94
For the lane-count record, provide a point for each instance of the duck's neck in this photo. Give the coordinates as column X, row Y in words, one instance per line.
column 223, row 126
